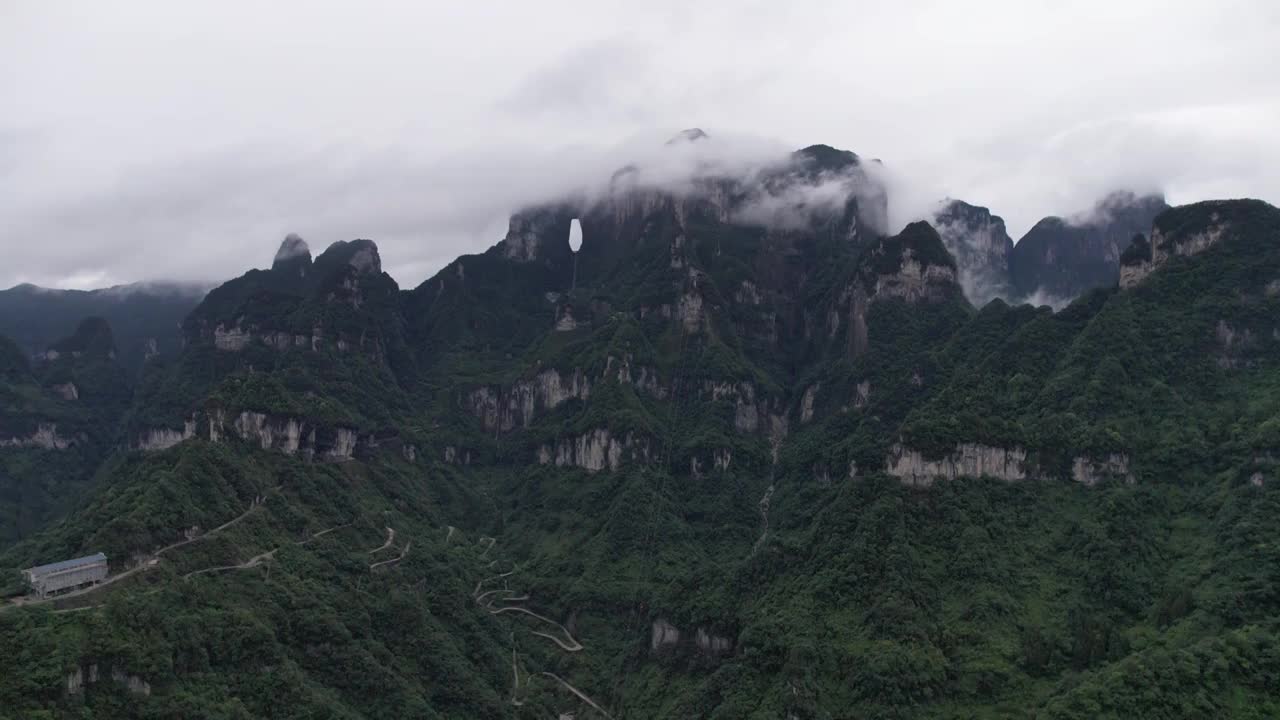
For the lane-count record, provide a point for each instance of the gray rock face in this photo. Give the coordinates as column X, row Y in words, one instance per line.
column 1060, row 258
column 237, row 337
column 365, row 259
column 914, row 281
column 690, row 312
column 665, row 636
column 1161, row 248
column 1090, row 471
column 89, row 675
column 967, row 460
column 642, row 378
column 283, row 435
column 505, row 409
column 288, row 435
column 539, row 234
column 751, row 414
column 231, row 339
column 594, row 451
column 981, row 247
column 45, row 437
column 293, row 252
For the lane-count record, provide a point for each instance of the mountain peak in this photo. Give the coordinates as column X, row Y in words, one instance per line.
column 293, row 252
column 981, row 246
column 688, row 136
column 359, row 254
column 1061, row 258
column 826, row 158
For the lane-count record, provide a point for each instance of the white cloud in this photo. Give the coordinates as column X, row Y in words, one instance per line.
column 170, row 140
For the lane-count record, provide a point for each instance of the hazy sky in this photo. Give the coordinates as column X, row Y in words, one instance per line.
column 183, row 140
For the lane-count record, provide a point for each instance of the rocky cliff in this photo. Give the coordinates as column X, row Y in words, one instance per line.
column 1060, row 258
column 981, row 247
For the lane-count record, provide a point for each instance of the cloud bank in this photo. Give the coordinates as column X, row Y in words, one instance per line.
column 173, row 141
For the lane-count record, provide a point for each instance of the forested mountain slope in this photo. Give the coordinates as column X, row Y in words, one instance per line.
column 743, row 455
column 144, row 316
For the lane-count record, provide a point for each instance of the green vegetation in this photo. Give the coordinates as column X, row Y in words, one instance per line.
column 751, row 506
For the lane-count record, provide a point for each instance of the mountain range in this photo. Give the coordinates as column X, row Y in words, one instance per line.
column 746, row 453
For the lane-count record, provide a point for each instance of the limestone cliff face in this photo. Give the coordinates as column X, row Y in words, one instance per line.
column 88, row 674
column 981, row 247
column 663, row 636
column 1091, row 471
column 288, row 435
column 1186, row 231
column 506, row 409
column 912, row 266
column 67, row 391
column 643, row 378
column 155, row 439
column 967, row 460
column 1008, row 464
column 45, row 437
column 503, row 409
column 915, row 281
column 751, row 413
column 236, row 338
column 595, row 450
column 539, row 234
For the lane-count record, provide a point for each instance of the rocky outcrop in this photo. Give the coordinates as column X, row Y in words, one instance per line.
column 517, row 406
column 1169, row 240
column 595, row 451
column 89, row 675
column 806, row 402
column 45, row 437
column 231, row 339
column 454, row 456
column 750, row 413
column 912, row 266
column 642, row 378
column 721, row 459
column 663, row 636
column 288, row 435
column 343, row 446
column 565, row 321
column 915, row 281
column 67, row 391
column 967, row 460
column 235, row 338
column 293, row 257
column 1089, row 471
column 862, row 394
column 1233, row 343
column 712, row 644
column 690, row 312
column 155, row 439
column 283, row 435
column 981, row 247
column 538, row 234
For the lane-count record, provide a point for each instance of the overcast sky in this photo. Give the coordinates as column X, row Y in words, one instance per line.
column 183, row 140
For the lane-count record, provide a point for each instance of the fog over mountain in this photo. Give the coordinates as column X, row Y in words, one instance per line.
column 158, row 142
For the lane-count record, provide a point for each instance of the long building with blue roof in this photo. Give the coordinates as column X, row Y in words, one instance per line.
column 65, row 574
